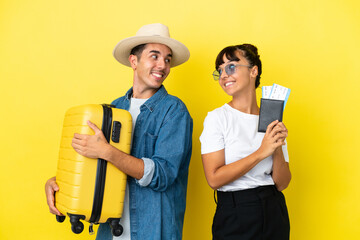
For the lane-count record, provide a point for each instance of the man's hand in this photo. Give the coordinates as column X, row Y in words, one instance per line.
column 50, row 188
column 91, row 146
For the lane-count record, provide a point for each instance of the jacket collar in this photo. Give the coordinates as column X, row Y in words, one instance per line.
column 153, row 100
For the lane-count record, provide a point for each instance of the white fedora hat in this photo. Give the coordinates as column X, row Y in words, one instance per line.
column 151, row 33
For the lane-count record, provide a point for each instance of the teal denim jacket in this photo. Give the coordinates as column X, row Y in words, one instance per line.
column 163, row 134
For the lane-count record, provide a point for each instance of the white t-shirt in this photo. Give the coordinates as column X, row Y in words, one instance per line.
column 134, row 110
column 236, row 132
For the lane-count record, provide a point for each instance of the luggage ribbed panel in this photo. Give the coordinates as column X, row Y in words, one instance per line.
column 76, row 174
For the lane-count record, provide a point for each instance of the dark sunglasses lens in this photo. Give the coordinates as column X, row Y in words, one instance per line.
column 230, row 69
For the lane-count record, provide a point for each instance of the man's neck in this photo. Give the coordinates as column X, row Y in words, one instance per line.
column 143, row 93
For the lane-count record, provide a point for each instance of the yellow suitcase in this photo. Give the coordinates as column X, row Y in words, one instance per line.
column 92, row 190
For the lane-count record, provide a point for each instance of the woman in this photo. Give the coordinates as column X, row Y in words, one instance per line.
column 248, row 169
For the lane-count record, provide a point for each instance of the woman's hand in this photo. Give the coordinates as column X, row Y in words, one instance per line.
column 275, row 136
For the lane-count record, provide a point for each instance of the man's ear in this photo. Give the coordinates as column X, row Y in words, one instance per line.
column 133, row 61
column 254, row 71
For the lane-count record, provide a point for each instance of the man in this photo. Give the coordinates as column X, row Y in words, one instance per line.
column 157, row 168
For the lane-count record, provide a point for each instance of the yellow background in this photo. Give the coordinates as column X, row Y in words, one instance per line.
column 57, row 54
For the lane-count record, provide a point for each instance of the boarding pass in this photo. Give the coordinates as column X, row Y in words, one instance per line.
column 276, row 92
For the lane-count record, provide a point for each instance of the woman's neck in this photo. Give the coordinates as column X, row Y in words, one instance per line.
column 245, row 103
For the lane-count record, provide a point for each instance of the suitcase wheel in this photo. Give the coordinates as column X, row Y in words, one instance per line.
column 76, row 226
column 116, row 228
column 117, row 231
column 60, row 219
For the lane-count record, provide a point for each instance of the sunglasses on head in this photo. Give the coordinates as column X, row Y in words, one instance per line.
column 229, row 69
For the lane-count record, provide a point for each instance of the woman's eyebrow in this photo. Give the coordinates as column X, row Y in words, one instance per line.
column 228, row 62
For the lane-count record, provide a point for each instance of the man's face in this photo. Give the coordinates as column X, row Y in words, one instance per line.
column 152, row 68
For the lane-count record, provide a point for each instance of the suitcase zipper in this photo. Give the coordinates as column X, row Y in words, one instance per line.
column 101, row 168
column 91, row 229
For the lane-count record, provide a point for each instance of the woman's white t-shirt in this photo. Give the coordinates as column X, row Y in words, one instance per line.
column 237, row 133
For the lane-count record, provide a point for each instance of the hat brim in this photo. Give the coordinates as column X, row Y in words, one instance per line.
column 180, row 53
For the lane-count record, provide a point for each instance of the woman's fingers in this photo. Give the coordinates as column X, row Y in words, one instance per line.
column 271, row 126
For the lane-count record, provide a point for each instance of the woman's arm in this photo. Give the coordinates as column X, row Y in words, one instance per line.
column 218, row 174
column 281, row 172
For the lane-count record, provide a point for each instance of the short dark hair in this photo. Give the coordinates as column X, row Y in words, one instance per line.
column 250, row 52
column 137, row 51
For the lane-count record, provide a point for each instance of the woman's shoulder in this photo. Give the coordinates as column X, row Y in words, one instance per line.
column 218, row 114
column 220, row 111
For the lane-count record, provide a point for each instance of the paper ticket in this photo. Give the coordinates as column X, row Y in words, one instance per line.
column 276, row 92
column 266, row 90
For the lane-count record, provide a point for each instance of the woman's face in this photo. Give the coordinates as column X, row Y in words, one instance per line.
column 240, row 81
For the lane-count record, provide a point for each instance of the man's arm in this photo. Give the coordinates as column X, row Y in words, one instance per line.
column 172, row 146
column 50, row 188
column 96, row 146
column 172, row 149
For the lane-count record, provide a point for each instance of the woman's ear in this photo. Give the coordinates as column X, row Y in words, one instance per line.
column 133, row 61
column 254, row 71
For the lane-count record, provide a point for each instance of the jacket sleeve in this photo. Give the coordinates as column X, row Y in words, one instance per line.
column 172, row 151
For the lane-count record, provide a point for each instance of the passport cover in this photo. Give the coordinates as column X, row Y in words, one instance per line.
column 270, row 110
